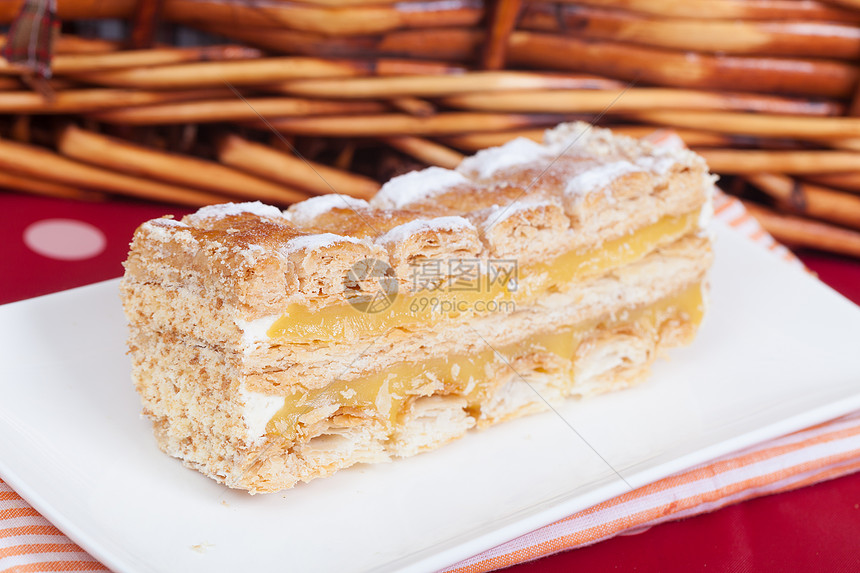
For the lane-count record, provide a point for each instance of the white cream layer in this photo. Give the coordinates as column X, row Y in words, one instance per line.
column 258, row 410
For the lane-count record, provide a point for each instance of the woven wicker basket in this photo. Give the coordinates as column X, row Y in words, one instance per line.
column 197, row 101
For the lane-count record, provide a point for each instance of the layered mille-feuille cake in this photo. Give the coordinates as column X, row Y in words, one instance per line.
column 274, row 347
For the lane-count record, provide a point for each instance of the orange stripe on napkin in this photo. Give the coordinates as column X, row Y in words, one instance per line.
column 39, row 556
column 38, row 548
column 721, row 207
column 58, row 566
column 30, row 530
column 18, row 512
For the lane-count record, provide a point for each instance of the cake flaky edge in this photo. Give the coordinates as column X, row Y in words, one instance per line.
column 245, row 262
column 216, row 440
column 204, row 414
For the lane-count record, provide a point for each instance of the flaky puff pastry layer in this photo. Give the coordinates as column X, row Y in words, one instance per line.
column 206, row 432
column 531, row 201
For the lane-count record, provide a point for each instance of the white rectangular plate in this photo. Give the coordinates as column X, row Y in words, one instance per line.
column 778, row 351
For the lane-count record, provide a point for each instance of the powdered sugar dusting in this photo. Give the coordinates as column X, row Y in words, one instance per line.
column 661, row 160
column 402, row 232
column 416, row 186
column 317, row 241
column 600, row 177
column 169, row 230
column 597, row 142
column 231, row 209
column 659, row 165
column 169, row 222
column 583, row 136
column 305, row 212
column 498, row 213
column 566, row 134
column 515, row 152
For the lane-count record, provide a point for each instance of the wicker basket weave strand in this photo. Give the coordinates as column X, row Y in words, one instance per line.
column 200, row 101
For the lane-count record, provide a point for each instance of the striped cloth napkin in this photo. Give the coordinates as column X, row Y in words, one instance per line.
column 28, row 541
column 803, row 458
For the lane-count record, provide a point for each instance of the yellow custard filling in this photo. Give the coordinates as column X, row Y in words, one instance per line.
column 387, row 390
column 300, row 324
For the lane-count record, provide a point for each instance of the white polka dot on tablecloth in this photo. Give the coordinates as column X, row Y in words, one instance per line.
column 65, row 239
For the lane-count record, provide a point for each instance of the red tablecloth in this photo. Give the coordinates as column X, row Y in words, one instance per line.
column 813, row 529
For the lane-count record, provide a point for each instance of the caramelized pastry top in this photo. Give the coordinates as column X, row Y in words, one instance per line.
column 524, row 199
